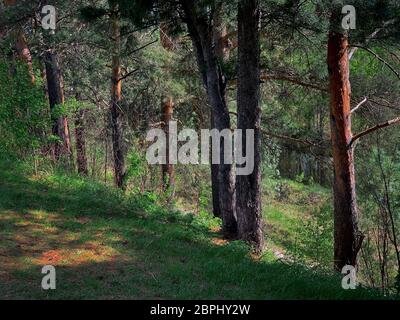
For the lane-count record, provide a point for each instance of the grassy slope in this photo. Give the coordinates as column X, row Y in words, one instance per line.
column 299, row 221
column 105, row 245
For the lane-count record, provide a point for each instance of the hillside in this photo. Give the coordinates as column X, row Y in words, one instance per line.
column 108, row 245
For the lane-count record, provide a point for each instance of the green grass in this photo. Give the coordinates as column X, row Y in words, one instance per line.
column 106, row 245
column 299, row 221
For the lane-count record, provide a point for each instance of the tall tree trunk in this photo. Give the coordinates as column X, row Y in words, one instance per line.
column 25, row 54
column 167, row 108
column 168, row 171
column 201, row 33
column 21, row 45
column 248, row 187
column 80, row 141
column 215, row 180
column 347, row 238
column 222, row 53
column 62, row 149
column 215, row 190
column 116, row 98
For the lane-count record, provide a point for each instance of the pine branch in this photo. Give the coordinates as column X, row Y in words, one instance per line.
column 380, row 59
column 142, row 47
column 128, row 74
column 394, row 121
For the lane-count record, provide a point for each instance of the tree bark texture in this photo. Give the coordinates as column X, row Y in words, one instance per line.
column 116, row 98
column 203, row 40
column 248, row 187
column 347, row 237
column 62, row 149
column 21, row 45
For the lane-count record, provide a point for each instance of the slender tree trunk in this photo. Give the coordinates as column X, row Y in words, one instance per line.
column 116, row 98
column 347, row 237
column 62, row 149
column 168, row 171
column 226, row 177
column 167, row 108
column 80, row 141
column 94, row 161
column 248, row 187
column 201, row 32
column 25, row 54
column 106, row 159
column 222, row 55
column 21, row 45
column 215, row 182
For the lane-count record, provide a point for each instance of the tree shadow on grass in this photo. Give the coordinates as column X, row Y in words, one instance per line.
column 107, row 246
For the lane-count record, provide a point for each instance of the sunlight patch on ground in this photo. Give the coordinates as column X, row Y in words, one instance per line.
column 89, row 252
column 37, row 238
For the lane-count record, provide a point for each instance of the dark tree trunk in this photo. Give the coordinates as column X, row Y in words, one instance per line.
column 215, row 190
column 168, row 172
column 202, row 36
column 248, row 187
column 215, row 181
column 80, row 141
column 115, row 108
column 62, row 149
column 222, row 53
column 347, row 238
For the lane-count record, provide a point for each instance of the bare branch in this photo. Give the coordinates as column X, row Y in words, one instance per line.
column 394, row 121
column 359, row 105
column 128, row 74
column 304, row 142
column 372, row 36
column 292, row 79
column 142, row 47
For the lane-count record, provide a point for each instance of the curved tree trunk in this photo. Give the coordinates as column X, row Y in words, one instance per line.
column 248, row 187
column 202, row 34
column 347, row 238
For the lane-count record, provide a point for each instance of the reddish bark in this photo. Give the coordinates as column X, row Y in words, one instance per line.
column 24, row 54
column 21, row 45
column 347, row 237
column 166, row 39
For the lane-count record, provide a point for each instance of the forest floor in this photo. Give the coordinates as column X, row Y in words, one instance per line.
column 105, row 245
